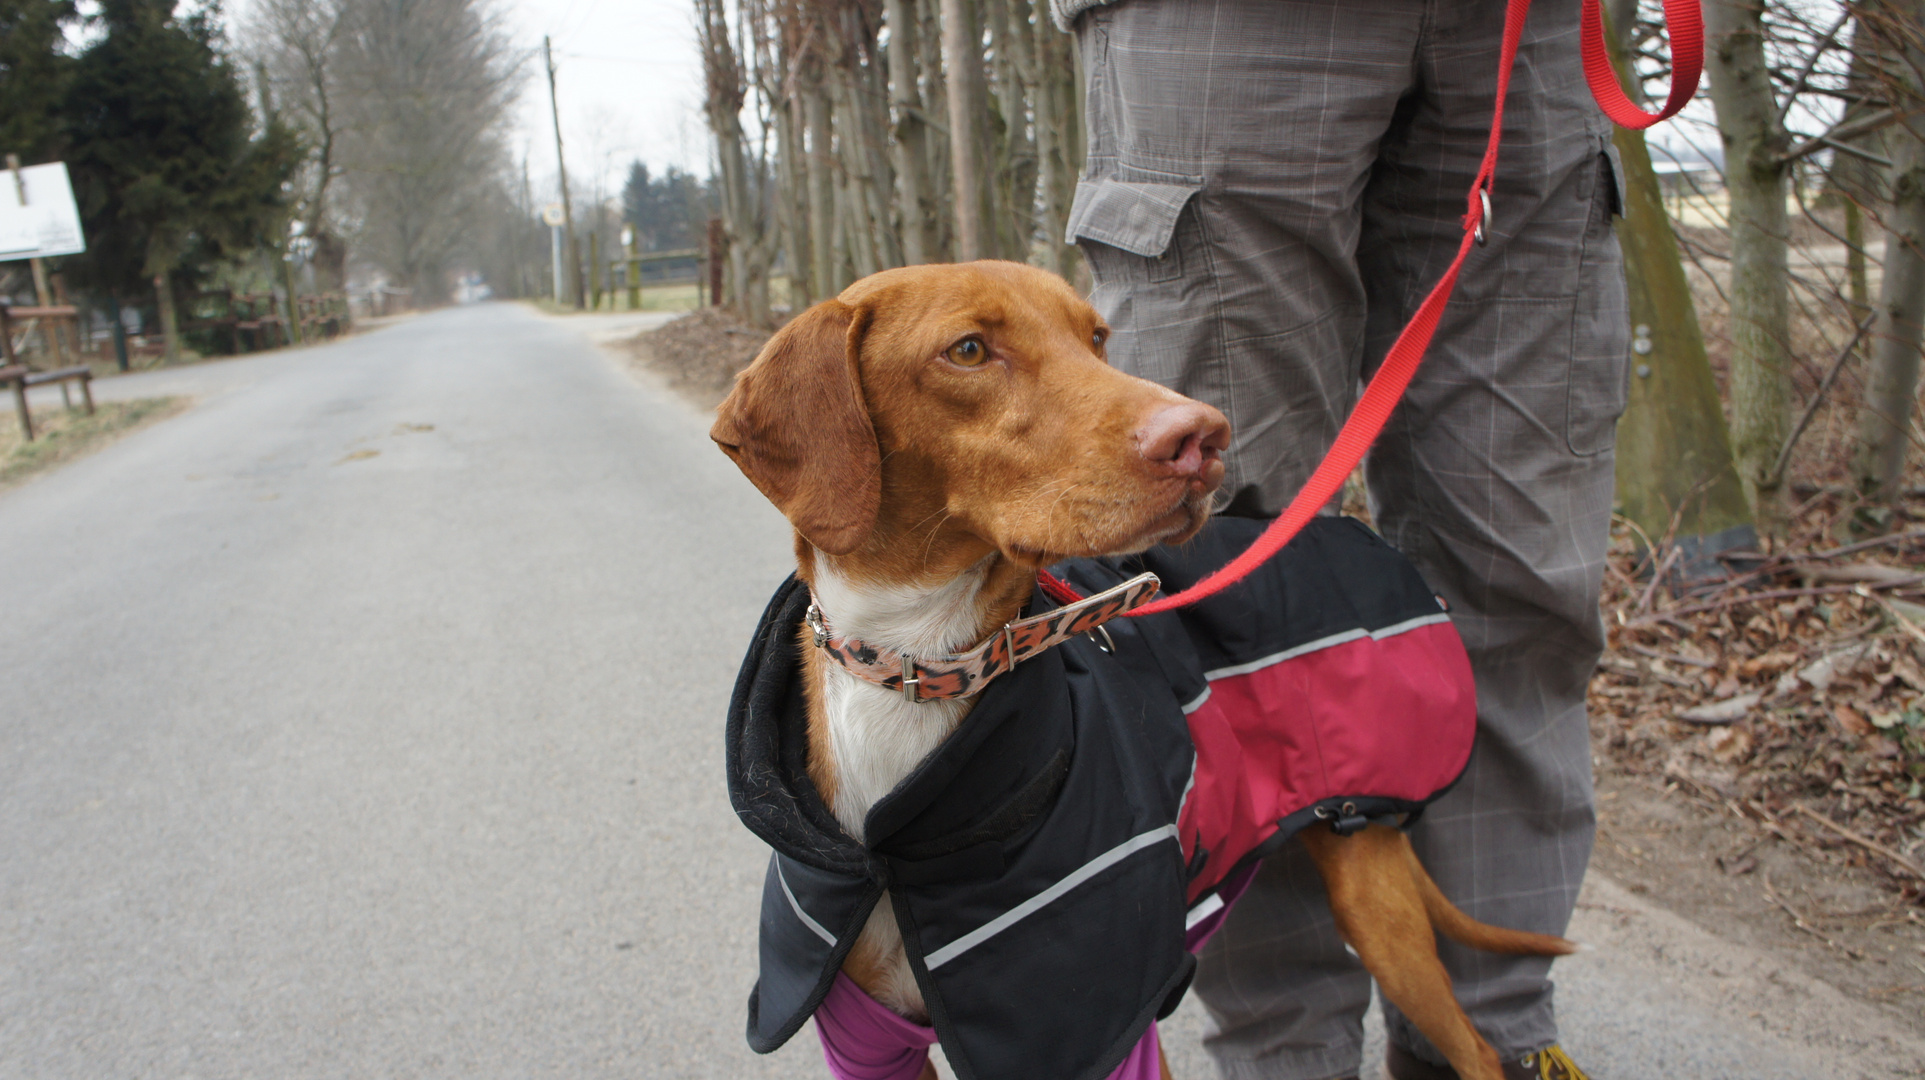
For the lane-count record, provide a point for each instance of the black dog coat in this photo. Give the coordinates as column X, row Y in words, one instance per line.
column 1041, row 862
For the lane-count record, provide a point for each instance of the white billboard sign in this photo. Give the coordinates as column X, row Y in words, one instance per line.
column 49, row 222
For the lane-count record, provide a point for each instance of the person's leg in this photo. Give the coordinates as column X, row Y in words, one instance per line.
column 1496, row 475
column 1230, row 145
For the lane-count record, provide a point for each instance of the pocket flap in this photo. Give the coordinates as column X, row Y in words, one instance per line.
column 1137, row 217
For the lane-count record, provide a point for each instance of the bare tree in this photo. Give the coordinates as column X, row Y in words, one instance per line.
column 1756, row 171
column 1891, row 394
column 1675, row 476
column 879, row 113
column 744, row 211
column 969, row 148
column 920, row 240
column 427, row 86
column 295, row 44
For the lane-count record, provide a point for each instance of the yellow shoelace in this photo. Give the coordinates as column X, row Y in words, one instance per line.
column 1552, row 1063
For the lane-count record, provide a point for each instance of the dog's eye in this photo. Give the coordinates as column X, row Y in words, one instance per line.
column 968, row 352
column 1097, row 339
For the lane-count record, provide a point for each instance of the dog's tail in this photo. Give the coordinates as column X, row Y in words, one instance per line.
column 1461, row 928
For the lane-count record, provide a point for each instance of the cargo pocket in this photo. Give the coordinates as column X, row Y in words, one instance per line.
column 1128, row 229
column 1600, row 330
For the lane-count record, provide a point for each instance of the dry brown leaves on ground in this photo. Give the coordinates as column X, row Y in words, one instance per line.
column 1791, row 693
column 700, row 352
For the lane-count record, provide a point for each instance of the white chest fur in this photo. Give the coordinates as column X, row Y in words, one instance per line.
column 876, row 736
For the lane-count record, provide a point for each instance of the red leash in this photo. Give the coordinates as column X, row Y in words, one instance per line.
column 1386, row 388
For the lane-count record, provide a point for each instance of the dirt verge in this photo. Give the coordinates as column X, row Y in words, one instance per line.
column 62, row 435
column 699, row 353
column 1760, row 743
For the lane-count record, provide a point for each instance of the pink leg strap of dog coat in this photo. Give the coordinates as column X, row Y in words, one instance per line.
column 863, row 1040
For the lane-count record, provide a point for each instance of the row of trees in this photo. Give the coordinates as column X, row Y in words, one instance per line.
column 1819, row 114
column 856, row 135
column 404, row 106
column 173, row 172
column 321, row 128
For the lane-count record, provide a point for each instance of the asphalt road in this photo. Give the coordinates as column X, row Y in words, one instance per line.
column 365, row 721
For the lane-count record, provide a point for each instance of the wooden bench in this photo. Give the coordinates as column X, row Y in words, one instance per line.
column 20, row 378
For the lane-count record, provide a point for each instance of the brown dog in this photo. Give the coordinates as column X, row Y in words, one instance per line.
column 937, row 433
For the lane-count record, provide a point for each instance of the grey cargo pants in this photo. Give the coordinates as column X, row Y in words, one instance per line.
column 1273, row 187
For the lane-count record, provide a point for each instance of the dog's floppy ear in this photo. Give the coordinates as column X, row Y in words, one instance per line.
column 796, row 424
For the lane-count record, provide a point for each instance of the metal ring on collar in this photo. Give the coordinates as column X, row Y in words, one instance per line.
column 1106, row 642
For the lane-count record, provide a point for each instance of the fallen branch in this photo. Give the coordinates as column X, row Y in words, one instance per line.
column 1877, row 575
column 1880, row 541
column 1742, row 598
column 1657, row 579
column 1900, row 861
column 1798, row 921
column 1897, row 616
column 1634, row 670
column 1645, row 650
column 1770, row 822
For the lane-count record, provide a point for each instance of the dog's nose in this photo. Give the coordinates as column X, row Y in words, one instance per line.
column 1188, row 439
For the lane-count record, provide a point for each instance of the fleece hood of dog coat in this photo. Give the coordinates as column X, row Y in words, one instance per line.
column 1042, row 861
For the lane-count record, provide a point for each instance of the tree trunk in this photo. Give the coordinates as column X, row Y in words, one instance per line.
column 792, row 201
column 855, row 205
column 1755, row 173
column 871, row 92
column 969, row 157
column 1057, row 138
column 1857, row 276
column 935, row 98
column 860, row 138
column 919, row 240
column 822, row 214
column 1673, row 452
column 743, row 219
column 1013, row 213
column 169, row 318
column 1885, row 422
column 1854, row 180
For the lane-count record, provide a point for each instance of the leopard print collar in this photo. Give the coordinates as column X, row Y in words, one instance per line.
column 935, row 678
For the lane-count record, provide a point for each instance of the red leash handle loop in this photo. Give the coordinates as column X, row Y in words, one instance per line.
column 1684, row 21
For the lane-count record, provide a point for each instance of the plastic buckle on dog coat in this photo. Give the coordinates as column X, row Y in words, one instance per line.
column 1345, row 820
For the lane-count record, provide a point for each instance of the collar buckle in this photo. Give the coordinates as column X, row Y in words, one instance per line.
column 911, row 685
column 813, row 617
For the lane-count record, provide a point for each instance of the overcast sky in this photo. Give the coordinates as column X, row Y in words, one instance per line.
column 628, row 78
column 629, row 81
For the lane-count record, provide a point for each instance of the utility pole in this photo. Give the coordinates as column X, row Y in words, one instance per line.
column 567, row 205
column 634, row 268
